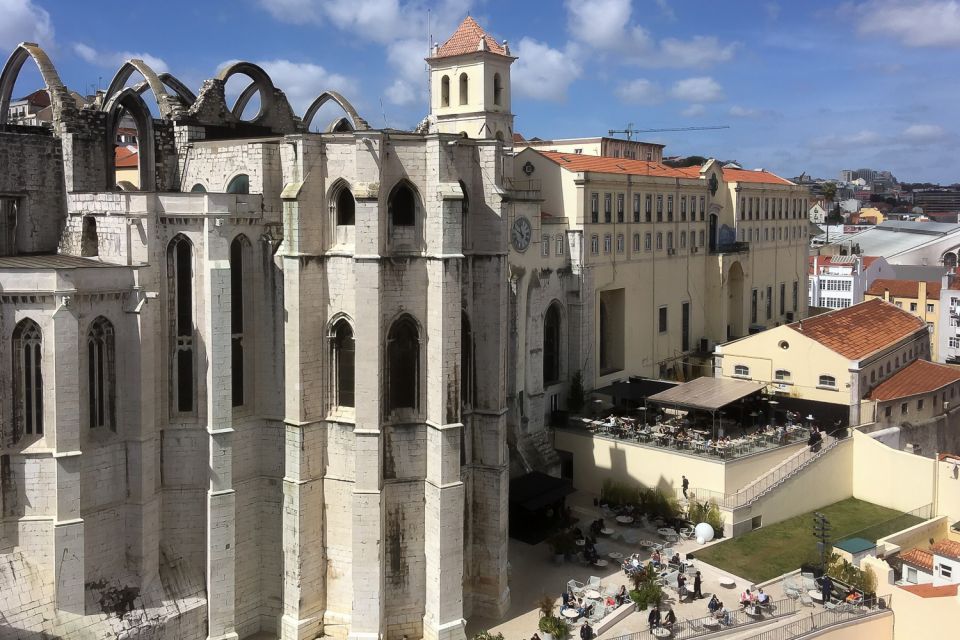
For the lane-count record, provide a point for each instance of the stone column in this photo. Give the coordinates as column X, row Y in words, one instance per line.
column 68, row 526
column 443, row 490
column 221, row 498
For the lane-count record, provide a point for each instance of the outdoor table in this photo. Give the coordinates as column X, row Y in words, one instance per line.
column 592, row 594
column 615, row 555
column 601, row 563
column 606, row 531
column 815, row 595
column 624, row 519
column 666, row 532
column 728, row 582
column 661, row 632
column 571, row 613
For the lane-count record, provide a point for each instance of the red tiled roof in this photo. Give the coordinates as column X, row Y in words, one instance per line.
column 919, row 558
column 869, row 260
column 39, row 98
column 745, row 175
column 947, row 549
column 903, row 288
column 860, row 330
column 126, row 158
column 518, row 137
column 466, row 39
column 930, row 591
column 920, row 376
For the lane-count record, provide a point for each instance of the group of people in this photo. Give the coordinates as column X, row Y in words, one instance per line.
column 656, row 620
column 583, row 607
column 754, row 598
column 718, row 611
column 590, row 552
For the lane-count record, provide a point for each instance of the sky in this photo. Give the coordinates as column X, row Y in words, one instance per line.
column 811, row 86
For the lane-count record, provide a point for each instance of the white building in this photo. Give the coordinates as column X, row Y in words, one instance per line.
column 817, row 213
column 837, row 282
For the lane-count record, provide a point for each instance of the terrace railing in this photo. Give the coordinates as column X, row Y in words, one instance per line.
column 707, row 625
column 816, row 622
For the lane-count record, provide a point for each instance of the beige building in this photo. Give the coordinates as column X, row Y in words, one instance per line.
column 919, row 297
column 603, row 146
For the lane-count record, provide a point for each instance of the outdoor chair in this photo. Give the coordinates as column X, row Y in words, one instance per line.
column 575, row 587
column 649, row 544
column 805, row 598
column 593, row 583
column 808, row 581
column 687, row 533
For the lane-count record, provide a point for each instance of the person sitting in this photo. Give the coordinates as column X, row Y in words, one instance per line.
column 653, row 618
column 670, row 619
column 853, row 596
column 655, row 558
column 675, row 559
column 723, row 615
column 762, row 598
column 714, row 605
column 622, row 596
column 565, row 600
column 745, row 598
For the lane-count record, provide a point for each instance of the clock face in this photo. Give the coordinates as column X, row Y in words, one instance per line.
column 521, row 233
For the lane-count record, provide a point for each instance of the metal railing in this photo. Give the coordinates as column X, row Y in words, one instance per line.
column 700, row 627
column 816, row 622
column 767, row 482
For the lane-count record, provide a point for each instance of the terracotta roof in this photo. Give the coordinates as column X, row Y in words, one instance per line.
column 947, row 549
column 580, row 162
column 126, row 158
column 39, row 98
column 466, row 39
column 517, row 137
column 920, row 376
column 919, row 558
column 903, row 288
column 860, row 330
column 745, row 175
column 930, row 591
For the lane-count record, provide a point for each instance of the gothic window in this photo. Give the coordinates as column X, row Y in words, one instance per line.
column 464, row 83
column 239, row 249
column 445, row 91
column 497, row 89
column 88, row 237
column 8, row 225
column 180, row 279
column 468, row 387
column 402, row 206
column 101, row 374
column 551, row 345
column 343, row 350
column 403, row 364
column 346, row 206
column 27, row 379
column 239, row 184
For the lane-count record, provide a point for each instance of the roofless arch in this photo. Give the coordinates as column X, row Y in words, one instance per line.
column 167, row 104
column 359, row 124
column 261, row 83
column 130, row 101
column 60, row 100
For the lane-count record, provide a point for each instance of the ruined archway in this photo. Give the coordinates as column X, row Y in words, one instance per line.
column 359, row 124
column 261, row 83
column 168, row 105
column 127, row 100
column 61, row 102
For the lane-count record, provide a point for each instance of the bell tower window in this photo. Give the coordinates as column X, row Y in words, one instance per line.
column 445, row 91
column 497, row 89
column 464, row 89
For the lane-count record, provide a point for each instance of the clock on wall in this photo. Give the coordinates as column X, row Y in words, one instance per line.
column 521, row 233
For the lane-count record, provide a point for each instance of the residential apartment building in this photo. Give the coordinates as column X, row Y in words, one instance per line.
column 919, row 297
column 837, row 282
column 937, row 200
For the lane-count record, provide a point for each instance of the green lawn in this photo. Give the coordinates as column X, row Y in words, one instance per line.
column 776, row 549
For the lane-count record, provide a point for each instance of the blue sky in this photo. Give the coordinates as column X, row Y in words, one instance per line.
column 804, row 86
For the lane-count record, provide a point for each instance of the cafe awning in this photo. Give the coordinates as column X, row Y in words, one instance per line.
column 707, row 394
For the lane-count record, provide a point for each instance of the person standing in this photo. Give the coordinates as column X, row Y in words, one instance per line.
column 654, row 617
column 586, row 632
column 826, row 587
column 681, row 586
column 697, row 584
column 686, row 485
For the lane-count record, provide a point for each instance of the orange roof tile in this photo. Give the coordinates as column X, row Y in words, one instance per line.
column 745, row 175
column 947, row 549
column 466, row 39
column 125, row 157
column 930, row 591
column 860, row 330
column 920, row 376
column 920, row 558
column 903, row 288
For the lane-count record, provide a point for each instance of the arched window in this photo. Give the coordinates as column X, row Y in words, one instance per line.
column 403, row 364
column 238, row 267
column 741, row 370
column 27, row 379
column 402, row 206
column 551, row 345
column 467, row 388
column 464, row 82
column 101, row 375
column 89, row 245
column 782, row 375
column 499, row 136
column 950, row 260
column 497, row 89
column 827, row 381
column 180, row 283
column 445, row 91
column 198, row 188
column 342, row 353
column 346, row 207
column 239, row 184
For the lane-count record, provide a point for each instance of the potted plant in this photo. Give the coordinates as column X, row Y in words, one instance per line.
column 545, row 605
column 486, row 635
column 553, row 628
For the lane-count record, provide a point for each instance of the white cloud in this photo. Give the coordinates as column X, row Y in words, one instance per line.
column 113, row 59
column 923, row 23
column 702, row 89
column 666, row 9
column 640, row 91
column 401, row 93
column 304, row 81
column 743, row 112
column 698, row 51
column 694, row 110
column 923, row 134
column 542, row 72
column 21, row 21
column 847, row 141
column 294, row 11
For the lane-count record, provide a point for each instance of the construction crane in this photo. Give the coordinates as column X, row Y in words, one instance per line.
column 629, row 131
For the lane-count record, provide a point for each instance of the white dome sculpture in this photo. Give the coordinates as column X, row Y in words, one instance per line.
column 704, row 532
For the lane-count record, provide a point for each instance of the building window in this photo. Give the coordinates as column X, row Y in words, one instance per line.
column 903, row 409
column 929, row 308
column 946, row 571
column 669, row 208
column 620, row 243
column 913, row 306
column 545, row 245
column 827, row 381
column 607, row 199
column 8, row 225
column 607, row 243
column 468, row 387
column 551, row 344
column 101, row 374
column 636, row 242
column 659, row 208
column 180, row 278
column 636, row 207
column 595, row 244
column 920, row 404
column 659, row 241
column 238, row 267
column 662, row 319
column 647, row 241
column 239, row 184
column 559, row 249
column 783, row 297
column 702, row 241
column 954, row 342
column 741, row 371
column 620, row 207
column 594, row 207
column 346, row 206
column 27, row 379
column 89, row 244
column 703, row 209
column 782, row 375
column 648, row 207
column 766, row 208
column 445, row 91
column 402, row 206
column 887, row 411
column 683, row 240
column 693, row 238
column 343, row 354
column 753, row 306
column 683, row 208
column 403, row 364
column 497, row 89
column 464, row 88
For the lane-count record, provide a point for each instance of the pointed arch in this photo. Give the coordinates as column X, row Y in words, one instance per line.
column 403, row 364
column 403, row 204
column 168, row 105
column 101, row 374
column 342, row 203
column 240, row 249
column 340, row 125
column 342, row 360
column 61, row 102
column 181, row 316
column 261, row 83
column 128, row 100
column 552, row 343
column 359, row 124
column 27, row 379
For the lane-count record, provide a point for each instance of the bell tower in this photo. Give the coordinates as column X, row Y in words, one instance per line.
column 470, row 84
